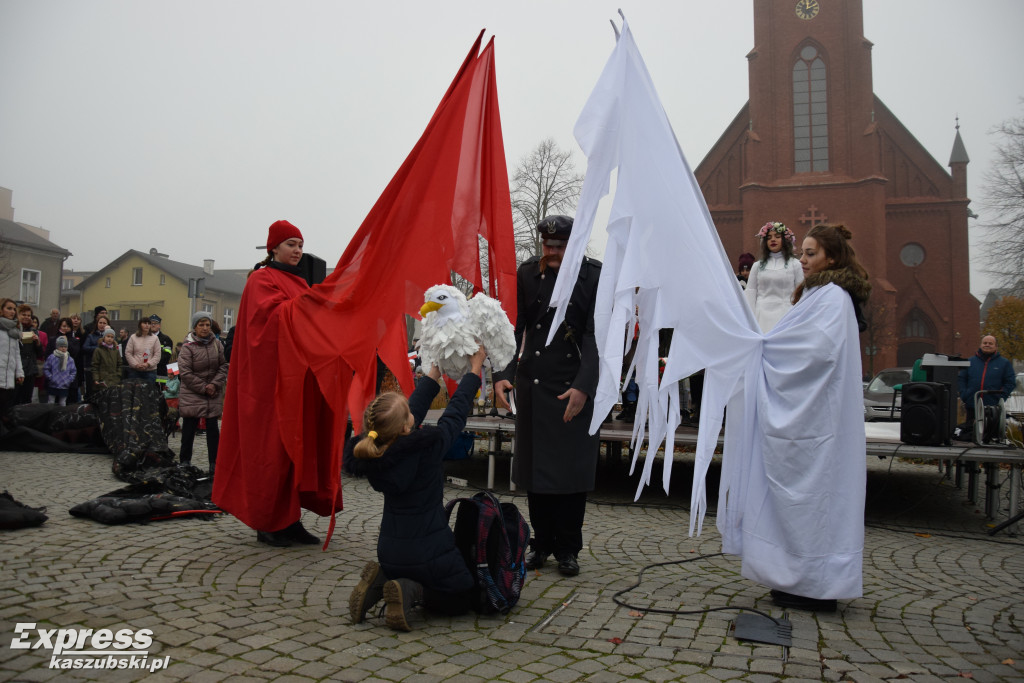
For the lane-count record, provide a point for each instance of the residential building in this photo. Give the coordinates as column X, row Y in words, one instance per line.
column 138, row 284
column 30, row 264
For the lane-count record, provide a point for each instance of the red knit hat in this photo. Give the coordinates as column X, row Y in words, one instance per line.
column 279, row 232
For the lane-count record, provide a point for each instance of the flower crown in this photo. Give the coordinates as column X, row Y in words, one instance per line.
column 780, row 228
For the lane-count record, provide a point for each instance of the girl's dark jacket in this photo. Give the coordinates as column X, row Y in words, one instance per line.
column 415, row 540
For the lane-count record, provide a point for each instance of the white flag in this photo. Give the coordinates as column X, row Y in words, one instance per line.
column 664, row 267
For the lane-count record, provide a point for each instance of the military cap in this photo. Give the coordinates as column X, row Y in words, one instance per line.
column 555, row 229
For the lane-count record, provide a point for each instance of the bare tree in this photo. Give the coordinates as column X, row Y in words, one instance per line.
column 1004, row 199
column 5, row 261
column 878, row 335
column 544, row 183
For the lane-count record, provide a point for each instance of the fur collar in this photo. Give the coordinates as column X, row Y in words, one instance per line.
column 857, row 287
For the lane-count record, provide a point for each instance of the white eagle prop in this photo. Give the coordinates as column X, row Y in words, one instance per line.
column 453, row 327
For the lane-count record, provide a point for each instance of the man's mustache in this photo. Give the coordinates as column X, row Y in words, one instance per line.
column 549, row 261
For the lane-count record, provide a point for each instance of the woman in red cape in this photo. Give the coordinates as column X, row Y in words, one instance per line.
column 256, row 480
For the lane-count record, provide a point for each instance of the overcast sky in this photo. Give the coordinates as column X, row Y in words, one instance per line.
column 190, row 126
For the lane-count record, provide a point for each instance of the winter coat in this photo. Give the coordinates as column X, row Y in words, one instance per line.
column 106, row 366
column 55, row 377
column 166, row 351
column 201, row 364
column 553, row 456
column 31, row 353
column 74, row 345
column 89, row 344
column 415, row 540
column 10, row 358
column 994, row 373
column 142, row 351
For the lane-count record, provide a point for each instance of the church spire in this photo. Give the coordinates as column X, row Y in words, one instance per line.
column 959, row 154
column 958, row 161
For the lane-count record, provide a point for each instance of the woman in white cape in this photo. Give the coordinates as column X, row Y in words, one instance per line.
column 800, row 525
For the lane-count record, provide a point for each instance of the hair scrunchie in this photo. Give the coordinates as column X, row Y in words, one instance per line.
column 371, row 435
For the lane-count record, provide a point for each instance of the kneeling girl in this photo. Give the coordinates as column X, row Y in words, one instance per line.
column 418, row 560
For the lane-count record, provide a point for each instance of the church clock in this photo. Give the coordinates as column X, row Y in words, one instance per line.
column 807, row 9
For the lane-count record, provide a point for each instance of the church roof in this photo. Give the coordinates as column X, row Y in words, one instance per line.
column 959, row 154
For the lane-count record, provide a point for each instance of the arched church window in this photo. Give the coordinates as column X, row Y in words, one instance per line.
column 810, row 112
column 918, row 325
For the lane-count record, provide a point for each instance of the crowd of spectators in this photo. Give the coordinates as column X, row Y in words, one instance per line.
column 63, row 361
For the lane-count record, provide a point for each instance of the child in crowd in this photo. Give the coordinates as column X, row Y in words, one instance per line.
column 418, row 560
column 171, row 389
column 106, row 362
column 59, row 370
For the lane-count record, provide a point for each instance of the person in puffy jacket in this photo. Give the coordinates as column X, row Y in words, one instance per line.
column 59, row 370
column 142, row 354
column 203, row 372
column 106, row 362
column 988, row 372
column 11, row 372
column 418, row 560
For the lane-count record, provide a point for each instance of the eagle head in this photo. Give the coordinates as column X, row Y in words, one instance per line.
column 444, row 300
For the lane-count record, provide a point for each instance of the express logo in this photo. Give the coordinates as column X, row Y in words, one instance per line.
column 85, row 648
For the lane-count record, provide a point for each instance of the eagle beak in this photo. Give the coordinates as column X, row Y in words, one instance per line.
column 428, row 307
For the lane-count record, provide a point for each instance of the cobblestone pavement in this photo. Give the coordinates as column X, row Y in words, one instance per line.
column 942, row 598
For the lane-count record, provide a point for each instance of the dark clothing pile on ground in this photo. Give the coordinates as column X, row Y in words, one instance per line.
column 15, row 515
column 155, row 493
column 50, row 428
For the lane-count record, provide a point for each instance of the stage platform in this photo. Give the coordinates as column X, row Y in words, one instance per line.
column 960, row 459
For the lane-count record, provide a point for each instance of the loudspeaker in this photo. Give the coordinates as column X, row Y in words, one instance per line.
column 924, row 414
column 313, row 268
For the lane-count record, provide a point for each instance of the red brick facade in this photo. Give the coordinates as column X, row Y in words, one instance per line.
column 908, row 215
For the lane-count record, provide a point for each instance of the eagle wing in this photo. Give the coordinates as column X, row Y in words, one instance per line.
column 493, row 329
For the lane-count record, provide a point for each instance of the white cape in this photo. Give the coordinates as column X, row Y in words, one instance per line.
column 791, row 501
column 792, row 490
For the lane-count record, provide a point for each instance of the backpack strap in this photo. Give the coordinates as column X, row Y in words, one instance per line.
column 495, row 505
column 450, row 505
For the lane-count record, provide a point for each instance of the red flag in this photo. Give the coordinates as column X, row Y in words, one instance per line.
column 452, row 188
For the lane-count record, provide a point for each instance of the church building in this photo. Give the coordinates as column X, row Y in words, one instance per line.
column 813, row 144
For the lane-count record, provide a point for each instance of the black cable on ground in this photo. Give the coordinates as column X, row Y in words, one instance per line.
column 654, row 610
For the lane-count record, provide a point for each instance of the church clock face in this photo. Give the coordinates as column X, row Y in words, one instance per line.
column 807, row 9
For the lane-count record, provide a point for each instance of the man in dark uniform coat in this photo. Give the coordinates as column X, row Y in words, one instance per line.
column 555, row 456
column 166, row 346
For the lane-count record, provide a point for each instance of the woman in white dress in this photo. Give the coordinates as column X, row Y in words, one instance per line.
column 772, row 280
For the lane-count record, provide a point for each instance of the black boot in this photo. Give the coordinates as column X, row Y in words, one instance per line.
column 274, row 538
column 296, row 532
column 567, row 564
column 536, row 557
column 784, row 599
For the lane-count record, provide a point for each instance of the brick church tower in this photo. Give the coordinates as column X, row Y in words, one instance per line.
column 814, row 145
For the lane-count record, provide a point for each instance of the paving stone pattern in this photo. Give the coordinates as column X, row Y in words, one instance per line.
column 942, row 598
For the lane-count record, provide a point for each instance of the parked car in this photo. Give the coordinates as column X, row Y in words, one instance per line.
column 878, row 394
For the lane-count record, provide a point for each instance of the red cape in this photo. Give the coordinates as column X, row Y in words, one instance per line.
column 451, row 191
column 257, row 479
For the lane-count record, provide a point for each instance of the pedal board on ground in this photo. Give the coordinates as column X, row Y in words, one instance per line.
column 762, row 629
